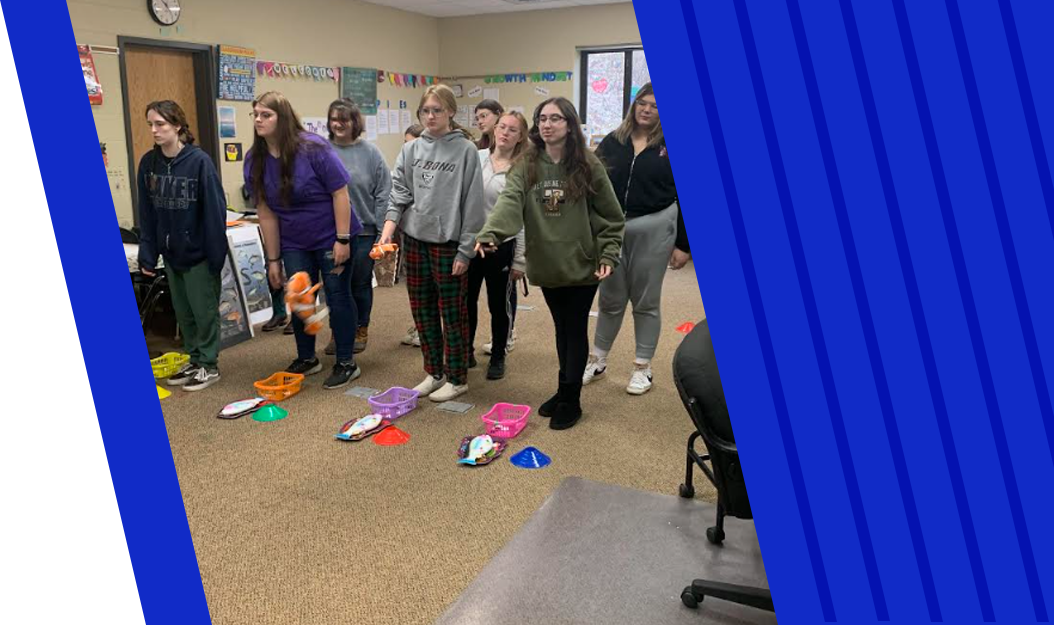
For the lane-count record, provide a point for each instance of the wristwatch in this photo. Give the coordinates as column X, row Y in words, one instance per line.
column 344, row 240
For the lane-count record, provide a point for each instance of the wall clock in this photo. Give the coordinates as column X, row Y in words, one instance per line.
column 164, row 12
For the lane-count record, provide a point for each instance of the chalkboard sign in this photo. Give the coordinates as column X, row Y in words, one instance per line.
column 237, row 73
column 360, row 86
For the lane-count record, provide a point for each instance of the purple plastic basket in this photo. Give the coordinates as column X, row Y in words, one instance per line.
column 394, row 402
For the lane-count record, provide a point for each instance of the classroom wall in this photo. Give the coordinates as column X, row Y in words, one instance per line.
column 471, row 48
column 312, row 32
column 347, row 33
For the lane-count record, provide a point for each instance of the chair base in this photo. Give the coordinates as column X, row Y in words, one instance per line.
column 760, row 598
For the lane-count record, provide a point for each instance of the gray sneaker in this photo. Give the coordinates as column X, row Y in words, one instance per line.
column 203, row 379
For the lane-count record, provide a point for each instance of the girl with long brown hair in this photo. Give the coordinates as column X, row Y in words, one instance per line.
column 640, row 171
column 437, row 202
column 300, row 188
column 560, row 195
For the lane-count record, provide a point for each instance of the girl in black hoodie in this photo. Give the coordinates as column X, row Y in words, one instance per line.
column 183, row 217
column 640, row 171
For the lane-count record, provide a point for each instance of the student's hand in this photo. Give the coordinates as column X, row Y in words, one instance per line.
column 149, row 273
column 341, row 254
column 483, row 248
column 515, row 275
column 604, row 272
column 276, row 276
column 460, row 267
column 679, row 259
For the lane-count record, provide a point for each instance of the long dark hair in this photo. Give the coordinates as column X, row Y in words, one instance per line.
column 287, row 133
column 173, row 114
column 486, row 139
column 346, row 111
column 575, row 159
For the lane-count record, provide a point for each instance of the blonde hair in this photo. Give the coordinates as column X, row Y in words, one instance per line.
column 524, row 141
column 629, row 124
column 446, row 98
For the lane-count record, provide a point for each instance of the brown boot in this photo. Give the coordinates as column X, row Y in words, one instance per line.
column 362, row 336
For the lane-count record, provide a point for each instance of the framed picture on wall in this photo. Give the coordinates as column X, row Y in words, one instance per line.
column 249, row 265
column 234, row 315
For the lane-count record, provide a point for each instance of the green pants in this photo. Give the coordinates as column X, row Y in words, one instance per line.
column 196, row 298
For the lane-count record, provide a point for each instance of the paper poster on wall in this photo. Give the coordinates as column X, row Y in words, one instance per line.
column 228, row 122
column 316, row 125
column 491, row 94
column 462, row 116
column 371, row 127
column 360, row 86
column 406, row 119
column 232, row 152
column 393, row 121
column 91, row 78
column 382, row 122
column 237, row 75
column 457, row 89
column 475, row 91
column 542, row 91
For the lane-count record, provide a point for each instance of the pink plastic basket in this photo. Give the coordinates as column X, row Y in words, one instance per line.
column 506, row 420
column 394, row 402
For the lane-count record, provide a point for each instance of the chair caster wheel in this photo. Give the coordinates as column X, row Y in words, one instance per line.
column 715, row 535
column 686, row 491
column 689, row 598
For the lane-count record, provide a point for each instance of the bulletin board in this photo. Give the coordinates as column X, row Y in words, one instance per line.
column 360, row 86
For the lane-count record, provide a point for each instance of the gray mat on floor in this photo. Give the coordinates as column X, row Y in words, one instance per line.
column 596, row 553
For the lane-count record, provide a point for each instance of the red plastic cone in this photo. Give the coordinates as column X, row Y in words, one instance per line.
column 391, row 436
column 686, row 327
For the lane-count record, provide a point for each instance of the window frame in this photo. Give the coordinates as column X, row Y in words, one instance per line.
column 627, row 83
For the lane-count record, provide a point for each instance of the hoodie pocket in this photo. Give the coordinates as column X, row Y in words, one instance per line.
column 183, row 247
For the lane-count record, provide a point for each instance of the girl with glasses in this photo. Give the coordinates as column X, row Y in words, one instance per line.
column 560, row 195
column 437, row 202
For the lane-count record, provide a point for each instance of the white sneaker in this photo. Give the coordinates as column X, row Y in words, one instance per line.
column 412, row 337
column 640, row 381
column 511, row 345
column 203, row 379
column 594, row 369
column 448, row 392
column 430, row 385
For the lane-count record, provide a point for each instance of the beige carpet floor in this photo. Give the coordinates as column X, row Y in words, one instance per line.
column 293, row 526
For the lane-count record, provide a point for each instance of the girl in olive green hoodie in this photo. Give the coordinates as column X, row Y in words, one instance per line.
column 560, row 195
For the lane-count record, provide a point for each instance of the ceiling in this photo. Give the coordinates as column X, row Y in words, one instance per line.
column 460, row 8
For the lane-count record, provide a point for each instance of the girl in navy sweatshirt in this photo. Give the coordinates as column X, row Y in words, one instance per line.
column 182, row 215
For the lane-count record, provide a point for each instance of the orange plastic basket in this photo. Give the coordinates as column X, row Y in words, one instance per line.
column 279, row 386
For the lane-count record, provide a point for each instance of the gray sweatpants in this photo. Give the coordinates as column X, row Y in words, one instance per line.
column 646, row 251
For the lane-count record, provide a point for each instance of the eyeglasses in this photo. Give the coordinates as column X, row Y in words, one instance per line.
column 261, row 115
column 644, row 104
column 551, row 119
column 432, row 111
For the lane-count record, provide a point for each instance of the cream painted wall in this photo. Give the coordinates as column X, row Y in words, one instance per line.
column 313, row 32
column 351, row 33
column 508, row 43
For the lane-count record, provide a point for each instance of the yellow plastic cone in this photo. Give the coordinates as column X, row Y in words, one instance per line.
column 162, row 393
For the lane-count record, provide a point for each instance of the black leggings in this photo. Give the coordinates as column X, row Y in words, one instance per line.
column 501, row 295
column 569, row 307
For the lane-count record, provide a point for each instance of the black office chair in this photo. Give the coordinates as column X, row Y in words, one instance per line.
column 697, row 380
column 148, row 290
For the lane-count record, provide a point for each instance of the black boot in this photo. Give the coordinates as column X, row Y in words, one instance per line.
column 568, row 409
column 496, row 370
column 549, row 407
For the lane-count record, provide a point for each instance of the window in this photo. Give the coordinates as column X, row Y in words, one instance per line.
column 610, row 81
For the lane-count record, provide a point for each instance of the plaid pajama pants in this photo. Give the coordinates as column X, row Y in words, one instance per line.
column 439, row 307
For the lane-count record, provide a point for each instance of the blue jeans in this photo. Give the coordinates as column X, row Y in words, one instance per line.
column 361, row 266
column 342, row 314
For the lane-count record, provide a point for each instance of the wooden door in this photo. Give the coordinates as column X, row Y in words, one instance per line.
column 158, row 74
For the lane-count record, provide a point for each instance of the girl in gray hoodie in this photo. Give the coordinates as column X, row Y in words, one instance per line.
column 437, row 202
